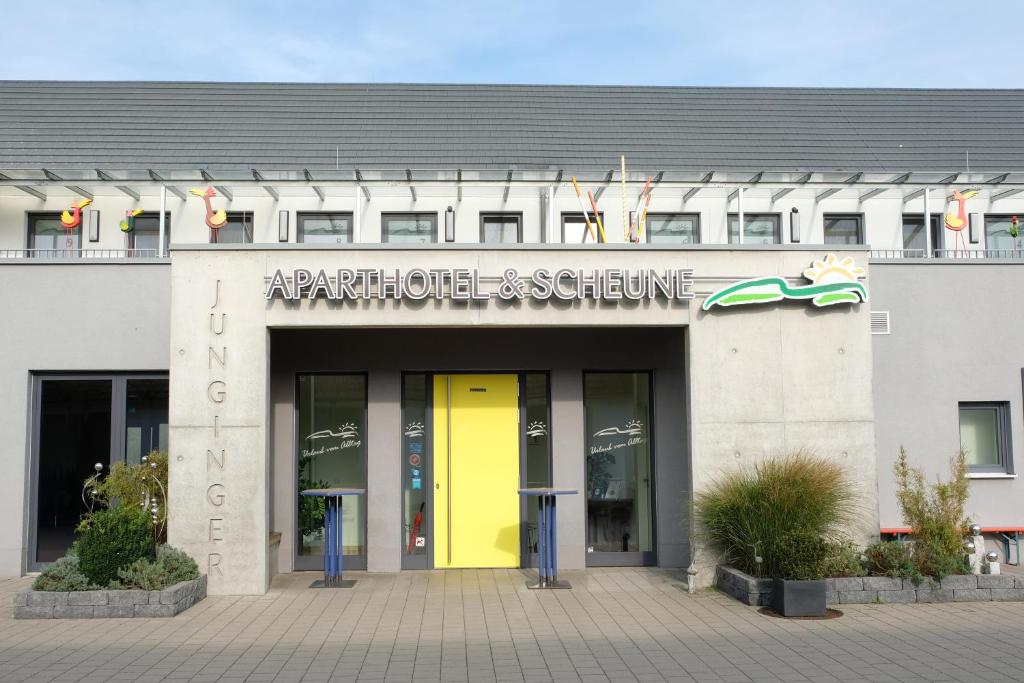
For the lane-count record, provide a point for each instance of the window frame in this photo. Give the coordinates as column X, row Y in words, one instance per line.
column 932, row 231
column 673, row 214
column 1004, row 436
column 748, row 216
column 30, row 237
column 999, row 217
column 518, row 215
column 301, row 216
column 167, row 230
column 407, row 214
column 236, row 214
column 861, row 228
column 576, row 216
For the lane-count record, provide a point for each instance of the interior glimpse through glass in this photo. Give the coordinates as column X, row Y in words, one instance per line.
column 331, row 453
column 618, row 452
column 145, row 418
column 415, row 466
column 538, row 448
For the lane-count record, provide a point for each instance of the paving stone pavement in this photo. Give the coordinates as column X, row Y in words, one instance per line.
column 484, row 625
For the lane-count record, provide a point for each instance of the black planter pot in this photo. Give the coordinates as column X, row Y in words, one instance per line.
column 799, row 598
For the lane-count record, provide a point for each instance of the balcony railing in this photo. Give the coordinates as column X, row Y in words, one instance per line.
column 961, row 254
column 79, row 254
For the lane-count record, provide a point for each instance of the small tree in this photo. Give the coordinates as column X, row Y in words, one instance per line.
column 935, row 514
column 141, row 485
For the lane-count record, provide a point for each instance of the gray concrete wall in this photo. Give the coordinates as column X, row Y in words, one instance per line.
column 956, row 331
column 67, row 317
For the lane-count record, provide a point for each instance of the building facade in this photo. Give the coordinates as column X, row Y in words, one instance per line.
column 404, row 296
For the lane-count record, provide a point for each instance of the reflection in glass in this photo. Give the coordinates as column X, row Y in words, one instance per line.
column 74, row 434
column 618, row 421
column 50, row 239
column 979, row 429
column 332, row 453
column 842, row 230
column 414, row 466
column 325, row 228
column 409, row 228
column 146, row 234
column 238, row 229
column 538, row 448
column 997, row 234
column 678, row 228
column 500, row 229
column 758, row 228
column 145, row 418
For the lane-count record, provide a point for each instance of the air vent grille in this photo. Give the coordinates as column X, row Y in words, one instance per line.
column 879, row 322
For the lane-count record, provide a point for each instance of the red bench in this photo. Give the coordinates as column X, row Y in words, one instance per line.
column 1009, row 535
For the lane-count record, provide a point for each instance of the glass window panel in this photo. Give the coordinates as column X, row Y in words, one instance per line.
column 538, row 448
column 500, row 229
column 414, row 466
column 74, row 434
column 673, row 228
column 997, row 233
column 843, row 230
column 914, row 236
column 332, row 453
column 48, row 237
column 145, row 418
column 574, row 229
column 618, row 419
column 979, row 435
column 325, row 228
column 411, row 228
column 146, row 234
column 238, row 229
column 758, row 228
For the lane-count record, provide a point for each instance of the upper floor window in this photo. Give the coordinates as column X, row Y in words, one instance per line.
column 844, row 228
column 146, row 235
column 985, row 436
column 997, row 233
column 501, row 228
column 409, row 228
column 673, row 228
column 324, row 228
column 758, row 228
column 574, row 229
column 47, row 237
column 915, row 238
column 238, row 229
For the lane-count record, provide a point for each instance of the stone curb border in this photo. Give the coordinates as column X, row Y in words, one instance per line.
column 882, row 589
column 32, row 604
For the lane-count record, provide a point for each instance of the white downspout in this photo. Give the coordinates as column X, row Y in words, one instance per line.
column 928, row 226
column 163, row 221
column 739, row 210
column 357, row 217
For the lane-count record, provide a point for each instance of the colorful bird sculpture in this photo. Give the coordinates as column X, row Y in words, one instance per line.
column 69, row 220
column 214, row 219
column 959, row 221
column 128, row 224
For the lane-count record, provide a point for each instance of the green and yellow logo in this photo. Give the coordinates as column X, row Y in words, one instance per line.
column 833, row 282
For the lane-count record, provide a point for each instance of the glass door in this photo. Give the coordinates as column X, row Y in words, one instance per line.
column 417, row 512
column 618, row 455
column 331, row 448
column 535, row 436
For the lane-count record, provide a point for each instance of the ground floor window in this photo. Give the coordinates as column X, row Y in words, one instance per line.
column 416, row 520
column 618, row 467
column 332, row 450
column 80, row 421
column 985, row 436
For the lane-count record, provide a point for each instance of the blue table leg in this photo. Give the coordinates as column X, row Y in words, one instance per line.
column 554, row 541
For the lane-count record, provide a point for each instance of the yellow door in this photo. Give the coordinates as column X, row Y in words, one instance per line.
column 476, row 471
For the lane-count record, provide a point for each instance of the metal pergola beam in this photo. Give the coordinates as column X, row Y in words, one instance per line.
column 458, row 183
column 508, row 188
column 27, row 190
column 802, row 180
column 694, row 190
column 220, row 188
column 170, row 188
column 607, row 182
column 316, row 188
column 412, row 190
column 74, row 188
column 260, row 179
column 361, row 183
column 870, row 193
column 913, row 195
column 996, row 180
column 1005, row 193
column 127, row 190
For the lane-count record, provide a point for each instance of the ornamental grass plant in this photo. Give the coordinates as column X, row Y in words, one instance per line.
column 781, row 518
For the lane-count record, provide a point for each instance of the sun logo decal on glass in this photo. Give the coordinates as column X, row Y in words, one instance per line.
column 834, row 281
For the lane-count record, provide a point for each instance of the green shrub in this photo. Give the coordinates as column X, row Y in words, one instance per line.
column 63, row 575
column 799, row 555
column 171, row 566
column 935, row 515
column 892, row 558
column 745, row 513
column 114, row 539
column 845, row 559
column 141, row 484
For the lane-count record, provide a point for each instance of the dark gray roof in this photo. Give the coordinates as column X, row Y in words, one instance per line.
column 272, row 126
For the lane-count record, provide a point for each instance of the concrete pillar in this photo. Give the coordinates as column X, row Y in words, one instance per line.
column 384, row 472
column 569, row 466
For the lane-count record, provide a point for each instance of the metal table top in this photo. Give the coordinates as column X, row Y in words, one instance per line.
column 333, row 493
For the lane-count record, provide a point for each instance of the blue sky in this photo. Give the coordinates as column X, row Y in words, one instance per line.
column 782, row 43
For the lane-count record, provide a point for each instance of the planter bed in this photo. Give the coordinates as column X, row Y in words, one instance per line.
column 32, row 604
column 882, row 589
